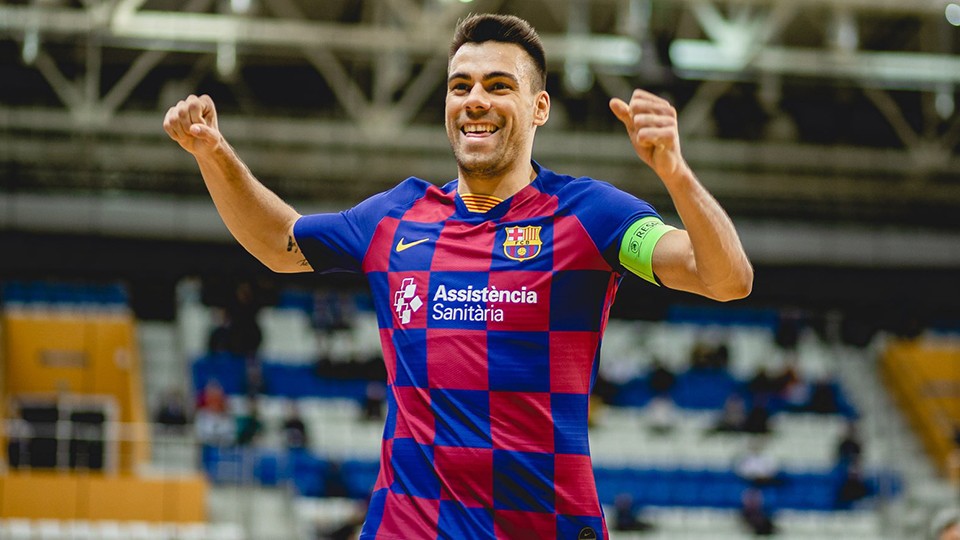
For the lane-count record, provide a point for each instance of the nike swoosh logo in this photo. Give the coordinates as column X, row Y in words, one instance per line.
column 402, row 247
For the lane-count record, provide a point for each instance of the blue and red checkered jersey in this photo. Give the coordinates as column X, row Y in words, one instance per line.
column 491, row 326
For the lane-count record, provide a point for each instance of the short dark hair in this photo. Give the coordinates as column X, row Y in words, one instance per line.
column 478, row 28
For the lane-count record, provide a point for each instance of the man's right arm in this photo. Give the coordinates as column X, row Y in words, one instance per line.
column 257, row 217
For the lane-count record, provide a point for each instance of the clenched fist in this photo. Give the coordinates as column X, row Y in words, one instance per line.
column 192, row 122
column 651, row 123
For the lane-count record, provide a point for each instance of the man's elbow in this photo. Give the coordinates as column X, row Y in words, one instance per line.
column 281, row 265
column 736, row 288
column 738, row 293
column 275, row 266
column 282, row 262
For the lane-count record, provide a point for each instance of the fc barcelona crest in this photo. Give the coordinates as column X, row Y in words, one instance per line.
column 522, row 243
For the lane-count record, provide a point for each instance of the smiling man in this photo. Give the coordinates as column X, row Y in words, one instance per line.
column 492, row 292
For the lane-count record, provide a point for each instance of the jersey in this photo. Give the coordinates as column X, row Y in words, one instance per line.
column 491, row 325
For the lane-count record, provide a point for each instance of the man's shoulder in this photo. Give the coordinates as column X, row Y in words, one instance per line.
column 410, row 189
column 407, row 192
column 576, row 188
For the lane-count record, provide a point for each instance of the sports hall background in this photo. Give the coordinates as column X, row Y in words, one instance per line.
column 828, row 129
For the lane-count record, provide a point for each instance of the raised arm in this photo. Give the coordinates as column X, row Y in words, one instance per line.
column 706, row 257
column 257, row 218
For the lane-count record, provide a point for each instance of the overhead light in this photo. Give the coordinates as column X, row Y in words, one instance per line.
column 226, row 59
column 944, row 102
column 31, row 46
column 240, row 6
column 577, row 77
column 845, row 36
column 953, row 14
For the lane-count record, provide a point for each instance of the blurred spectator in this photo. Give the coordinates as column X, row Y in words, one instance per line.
column 604, row 389
column 945, row 525
column 850, row 447
column 732, row 416
column 219, row 340
column 661, row 415
column 661, row 379
column 254, row 376
column 852, row 487
column 333, row 310
column 239, row 331
column 172, row 411
column 757, row 466
column 376, row 395
column 700, row 356
column 213, row 425
column 249, row 425
column 789, row 325
column 823, row 397
column 212, row 397
column 241, row 319
column 721, row 357
column 294, row 428
column 762, row 386
column 754, row 515
column 625, row 515
column 704, row 356
column 371, row 368
column 757, row 420
column 792, row 388
column 336, row 484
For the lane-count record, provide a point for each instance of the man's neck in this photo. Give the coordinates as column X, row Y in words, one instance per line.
column 502, row 187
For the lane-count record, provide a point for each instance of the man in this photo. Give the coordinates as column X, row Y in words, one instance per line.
column 492, row 292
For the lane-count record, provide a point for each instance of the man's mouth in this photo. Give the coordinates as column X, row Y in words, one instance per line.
column 478, row 130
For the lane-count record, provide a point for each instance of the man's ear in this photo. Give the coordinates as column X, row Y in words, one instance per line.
column 542, row 112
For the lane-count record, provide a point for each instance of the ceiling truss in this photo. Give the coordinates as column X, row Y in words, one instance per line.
column 384, row 64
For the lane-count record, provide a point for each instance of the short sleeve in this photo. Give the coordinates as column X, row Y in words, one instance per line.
column 606, row 213
column 337, row 242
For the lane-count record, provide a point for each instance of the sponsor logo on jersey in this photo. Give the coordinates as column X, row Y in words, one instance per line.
column 486, row 303
column 406, row 302
column 401, row 246
column 522, row 243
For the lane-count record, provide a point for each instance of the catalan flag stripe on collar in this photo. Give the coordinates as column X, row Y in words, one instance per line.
column 479, row 203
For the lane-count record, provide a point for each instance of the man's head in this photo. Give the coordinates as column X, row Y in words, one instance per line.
column 485, row 27
column 495, row 96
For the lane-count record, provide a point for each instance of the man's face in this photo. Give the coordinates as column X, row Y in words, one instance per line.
column 492, row 109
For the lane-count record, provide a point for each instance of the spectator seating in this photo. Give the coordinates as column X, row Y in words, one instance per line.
column 673, row 470
column 681, row 473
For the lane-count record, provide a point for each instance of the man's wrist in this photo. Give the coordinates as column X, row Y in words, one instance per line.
column 681, row 177
column 217, row 153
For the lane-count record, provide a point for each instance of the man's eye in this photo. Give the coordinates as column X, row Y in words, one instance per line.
column 499, row 86
column 460, row 87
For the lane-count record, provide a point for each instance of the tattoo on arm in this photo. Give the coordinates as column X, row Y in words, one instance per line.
column 291, row 245
column 303, row 262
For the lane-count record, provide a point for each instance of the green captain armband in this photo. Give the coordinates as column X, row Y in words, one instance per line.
column 636, row 248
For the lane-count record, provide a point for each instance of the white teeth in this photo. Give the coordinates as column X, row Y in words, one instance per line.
column 477, row 128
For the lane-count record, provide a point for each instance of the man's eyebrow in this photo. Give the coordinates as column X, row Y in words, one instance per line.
column 492, row 75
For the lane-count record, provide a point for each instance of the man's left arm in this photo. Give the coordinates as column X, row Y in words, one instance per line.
column 706, row 257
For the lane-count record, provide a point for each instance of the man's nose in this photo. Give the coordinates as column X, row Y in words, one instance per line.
column 477, row 99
